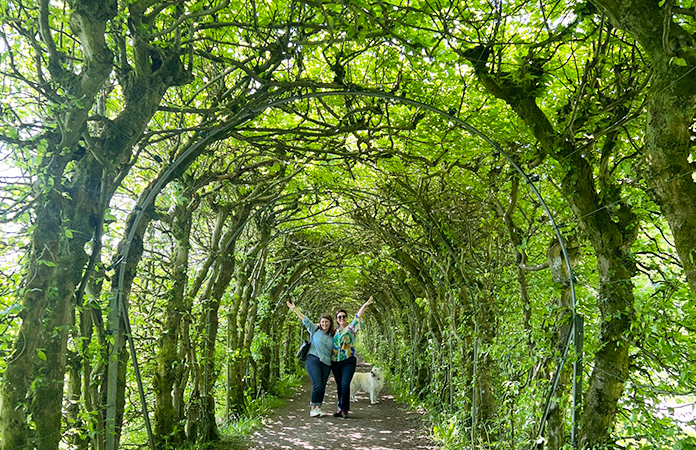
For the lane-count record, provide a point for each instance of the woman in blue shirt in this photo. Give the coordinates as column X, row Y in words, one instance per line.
column 318, row 362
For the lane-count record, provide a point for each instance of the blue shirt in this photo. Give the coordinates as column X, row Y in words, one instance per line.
column 322, row 343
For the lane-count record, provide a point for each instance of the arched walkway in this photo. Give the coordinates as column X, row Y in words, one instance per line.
column 189, row 155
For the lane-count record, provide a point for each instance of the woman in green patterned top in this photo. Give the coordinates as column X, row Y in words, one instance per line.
column 343, row 359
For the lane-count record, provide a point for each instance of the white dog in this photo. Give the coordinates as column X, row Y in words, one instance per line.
column 370, row 382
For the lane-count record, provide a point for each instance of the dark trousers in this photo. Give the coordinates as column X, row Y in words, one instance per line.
column 343, row 373
column 319, row 374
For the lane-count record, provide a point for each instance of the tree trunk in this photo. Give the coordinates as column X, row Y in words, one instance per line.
column 668, row 145
column 129, row 267
column 610, row 236
column 77, row 440
column 220, row 280
column 49, row 248
column 67, row 252
column 49, row 374
column 92, row 327
column 556, row 420
column 611, row 243
column 169, row 429
column 18, row 375
column 237, row 320
column 80, row 217
column 671, row 105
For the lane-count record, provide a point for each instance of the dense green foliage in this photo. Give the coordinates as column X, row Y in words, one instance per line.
column 172, row 172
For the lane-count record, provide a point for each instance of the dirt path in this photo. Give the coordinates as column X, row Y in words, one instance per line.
column 383, row 426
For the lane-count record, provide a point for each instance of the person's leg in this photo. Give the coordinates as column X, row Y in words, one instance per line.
column 313, row 366
column 347, row 372
column 325, row 371
column 336, row 368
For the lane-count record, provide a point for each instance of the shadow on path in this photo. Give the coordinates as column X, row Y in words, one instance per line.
column 383, row 426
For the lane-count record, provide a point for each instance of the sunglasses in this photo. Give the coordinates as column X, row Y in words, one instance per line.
column 341, row 316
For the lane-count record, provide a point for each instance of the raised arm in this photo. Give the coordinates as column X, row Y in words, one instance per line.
column 293, row 308
column 362, row 309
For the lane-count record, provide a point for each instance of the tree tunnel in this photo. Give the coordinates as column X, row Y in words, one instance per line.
column 469, row 287
column 178, row 169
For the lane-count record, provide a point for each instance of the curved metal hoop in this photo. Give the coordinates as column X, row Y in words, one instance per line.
column 118, row 303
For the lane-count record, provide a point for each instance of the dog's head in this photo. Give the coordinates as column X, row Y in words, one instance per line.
column 376, row 372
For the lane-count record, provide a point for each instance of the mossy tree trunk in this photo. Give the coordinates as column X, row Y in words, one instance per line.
column 249, row 276
column 201, row 416
column 610, row 232
column 671, row 106
column 168, row 418
column 69, row 212
column 33, row 380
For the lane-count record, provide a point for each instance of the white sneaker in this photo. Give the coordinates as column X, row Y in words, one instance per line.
column 315, row 412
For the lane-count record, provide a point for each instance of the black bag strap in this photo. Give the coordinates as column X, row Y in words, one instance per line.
column 308, row 332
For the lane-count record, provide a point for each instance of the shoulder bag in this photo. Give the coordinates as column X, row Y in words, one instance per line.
column 304, row 350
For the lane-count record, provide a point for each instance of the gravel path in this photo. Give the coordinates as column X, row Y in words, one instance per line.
column 383, row 426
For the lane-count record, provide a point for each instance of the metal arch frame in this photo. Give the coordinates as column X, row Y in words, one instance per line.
column 119, row 310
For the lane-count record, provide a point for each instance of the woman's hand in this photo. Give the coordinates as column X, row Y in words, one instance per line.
column 364, row 307
column 293, row 308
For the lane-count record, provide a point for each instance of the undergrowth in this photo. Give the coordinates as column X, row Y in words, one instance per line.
column 257, row 408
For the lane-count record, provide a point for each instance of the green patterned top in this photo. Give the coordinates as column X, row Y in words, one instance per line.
column 344, row 341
